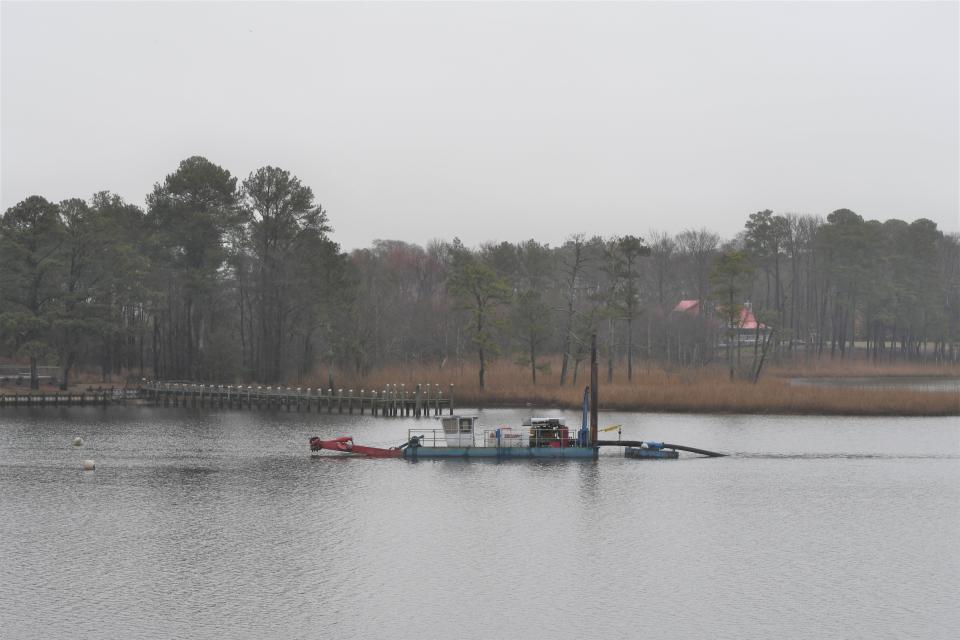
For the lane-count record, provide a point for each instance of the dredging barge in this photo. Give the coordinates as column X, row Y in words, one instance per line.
column 539, row 438
column 458, row 438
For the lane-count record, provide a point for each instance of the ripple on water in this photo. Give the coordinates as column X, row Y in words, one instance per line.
column 211, row 525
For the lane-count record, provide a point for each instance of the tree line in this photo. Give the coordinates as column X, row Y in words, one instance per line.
column 222, row 279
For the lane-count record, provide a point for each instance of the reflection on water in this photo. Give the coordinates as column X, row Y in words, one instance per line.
column 212, row 525
column 912, row 383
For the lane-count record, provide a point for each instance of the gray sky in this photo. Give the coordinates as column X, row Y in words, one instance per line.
column 497, row 121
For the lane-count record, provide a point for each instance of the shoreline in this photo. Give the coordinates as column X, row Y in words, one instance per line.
column 472, row 403
column 655, row 390
column 726, row 412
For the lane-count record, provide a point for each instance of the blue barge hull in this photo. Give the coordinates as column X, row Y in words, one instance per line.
column 581, row 453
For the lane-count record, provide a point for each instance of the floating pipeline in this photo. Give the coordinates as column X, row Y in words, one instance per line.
column 658, row 446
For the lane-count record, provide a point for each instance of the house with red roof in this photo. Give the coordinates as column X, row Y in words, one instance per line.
column 691, row 307
column 747, row 325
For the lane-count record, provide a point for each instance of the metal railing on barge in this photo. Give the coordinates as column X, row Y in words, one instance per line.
column 501, row 437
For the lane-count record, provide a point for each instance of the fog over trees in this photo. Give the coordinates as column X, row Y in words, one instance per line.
column 224, row 279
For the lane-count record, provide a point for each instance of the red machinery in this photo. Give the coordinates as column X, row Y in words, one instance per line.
column 345, row 444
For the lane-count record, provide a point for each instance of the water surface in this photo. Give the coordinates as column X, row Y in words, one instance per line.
column 202, row 524
column 911, row 383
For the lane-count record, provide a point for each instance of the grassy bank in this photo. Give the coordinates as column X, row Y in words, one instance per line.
column 682, row 390
column 658, row 389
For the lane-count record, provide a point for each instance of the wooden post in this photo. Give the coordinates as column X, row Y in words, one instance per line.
column 350, row 401
column 450, row 400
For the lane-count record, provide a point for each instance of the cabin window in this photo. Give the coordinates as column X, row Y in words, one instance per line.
column 449, row 425
column 466, row 425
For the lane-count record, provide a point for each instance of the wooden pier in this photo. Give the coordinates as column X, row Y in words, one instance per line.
column 92, row 398
column 391, row 400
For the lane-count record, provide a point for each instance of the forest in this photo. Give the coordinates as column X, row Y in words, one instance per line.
column 222, row 279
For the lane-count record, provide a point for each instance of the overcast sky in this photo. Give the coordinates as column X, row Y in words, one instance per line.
column 497, row 121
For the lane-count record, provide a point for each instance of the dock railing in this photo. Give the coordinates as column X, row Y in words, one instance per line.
column 509, row 437
column 101, row 397
column 391, row 400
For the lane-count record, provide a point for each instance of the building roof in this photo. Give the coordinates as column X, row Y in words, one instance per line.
column 688, row 306
column 748, row 320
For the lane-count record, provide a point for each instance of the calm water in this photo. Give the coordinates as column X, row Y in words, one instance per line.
column 912, row 383
column 221, row 525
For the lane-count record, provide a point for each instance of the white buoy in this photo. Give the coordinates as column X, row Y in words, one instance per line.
column 88, row 465
column 78, row 441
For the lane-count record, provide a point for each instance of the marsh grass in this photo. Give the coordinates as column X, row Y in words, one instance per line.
column 707, row 390
column 655, row 388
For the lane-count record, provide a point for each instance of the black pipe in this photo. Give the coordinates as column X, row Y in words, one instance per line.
column 639, row 443
column 703, row 452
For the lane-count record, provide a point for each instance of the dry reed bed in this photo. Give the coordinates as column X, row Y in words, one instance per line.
column 705, row 390
column 654, row 389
